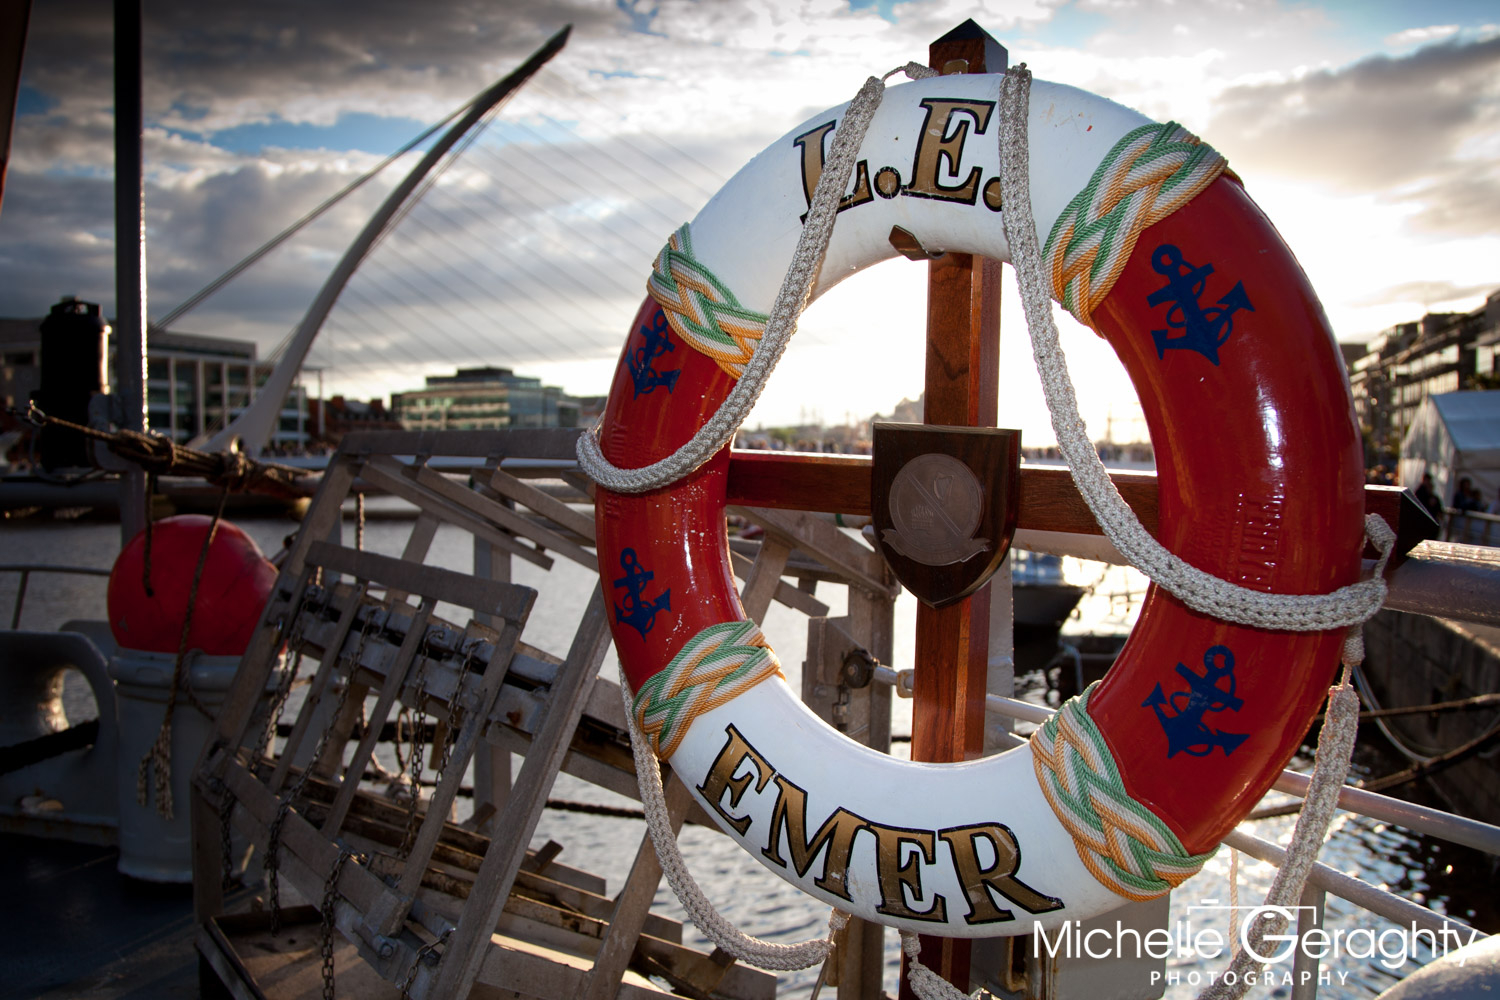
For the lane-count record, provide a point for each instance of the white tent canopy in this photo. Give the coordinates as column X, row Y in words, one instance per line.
column 1455, row 435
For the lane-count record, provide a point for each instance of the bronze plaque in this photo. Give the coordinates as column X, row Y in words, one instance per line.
column 945, row 502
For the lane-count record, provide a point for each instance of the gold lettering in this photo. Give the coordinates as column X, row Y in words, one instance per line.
column 811, row 143
column 1000, row 875
column 937, row 145
column 897, row 876
column 837, row 832
column 720, row 778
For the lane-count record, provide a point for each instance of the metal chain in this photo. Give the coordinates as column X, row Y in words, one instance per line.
column 293, row 642
column 217, row 788
column 273, row 845
column 455, row 710
column 423, row 954
column 418, row 725
column 226, row 858
column 330, row 902
column 403, row 723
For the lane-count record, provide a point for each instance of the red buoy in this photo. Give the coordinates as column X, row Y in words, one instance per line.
column 236, row 581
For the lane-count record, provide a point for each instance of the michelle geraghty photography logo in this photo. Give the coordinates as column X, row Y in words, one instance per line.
column 1201, row 935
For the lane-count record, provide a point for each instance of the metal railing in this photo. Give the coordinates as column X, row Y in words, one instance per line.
column 26, row 569
column 1446, row 579
column 1324, row 879
column 1472, row 527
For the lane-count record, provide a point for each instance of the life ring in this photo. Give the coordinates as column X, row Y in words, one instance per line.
column 1260, row 483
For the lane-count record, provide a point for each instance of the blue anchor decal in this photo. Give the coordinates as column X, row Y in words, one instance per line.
column 1204, row 328
column 655, row 344
column 1185, row 728
column 638, row 614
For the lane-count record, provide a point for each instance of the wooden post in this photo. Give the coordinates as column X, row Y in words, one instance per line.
column 963, row 358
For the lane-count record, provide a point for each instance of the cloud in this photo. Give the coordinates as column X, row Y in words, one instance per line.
column 1419, row 132
column 1421, row 36
column 249, row 62
column 1377, row 124
column 1429, row 294
column 534, row 247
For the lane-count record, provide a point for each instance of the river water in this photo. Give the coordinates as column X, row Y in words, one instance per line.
column 1448, row 878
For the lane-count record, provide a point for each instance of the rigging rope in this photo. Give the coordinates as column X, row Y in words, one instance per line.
column 161, row 456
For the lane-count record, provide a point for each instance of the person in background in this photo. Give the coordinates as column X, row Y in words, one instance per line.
column 1463, row 497
column 1428, row 498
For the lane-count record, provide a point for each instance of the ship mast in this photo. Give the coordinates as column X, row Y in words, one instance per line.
column 130, row 259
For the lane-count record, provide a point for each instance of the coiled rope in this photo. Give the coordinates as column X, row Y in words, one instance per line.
column 701, row 309
column 1149, row 174
column 714, row 667
column 1124, row 845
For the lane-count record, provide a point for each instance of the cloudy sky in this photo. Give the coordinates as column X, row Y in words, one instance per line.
column 1368, row 130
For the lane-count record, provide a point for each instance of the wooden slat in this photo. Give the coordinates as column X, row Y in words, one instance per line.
column 240, row 701
column 827, row 544
column 217, row 951
column 318, row 688
column 793, row 597
column 503, row 516
column 765, row 577
column 394, row 679
column 507, row 600
column 467, row 951
column 558, row 444
column 840, row 484
column 208, row 891
column 461, row 752
column 298, row 838
column 377, row 474
column 548, row 506
column 633, row 903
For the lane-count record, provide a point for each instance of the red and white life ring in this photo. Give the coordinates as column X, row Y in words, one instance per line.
column 1259, row 473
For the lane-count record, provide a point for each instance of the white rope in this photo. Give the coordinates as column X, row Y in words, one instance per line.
column 1349, row 606
column 925, row 983
column 1330, row 768
column 713, row 924
column 1234, row 895
column 1199, row 590
column 817, row 230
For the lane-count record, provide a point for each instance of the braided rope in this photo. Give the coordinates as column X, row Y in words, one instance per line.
column 762, row 954
column 1330, row 768
column 817, row 230
column 715, row 666
column 1348, row 607
column 1199, row 590
column 925, row 983
column 1149, row 174
column 701, row 309
column 158, row 756
column 1121, row 842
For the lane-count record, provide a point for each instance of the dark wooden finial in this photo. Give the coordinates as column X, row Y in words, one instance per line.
column 972, row 44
